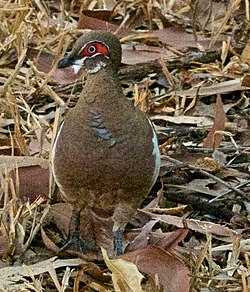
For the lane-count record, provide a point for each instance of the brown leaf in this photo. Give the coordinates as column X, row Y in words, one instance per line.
column 33, row 182
column 97, row 231
column 246, row 81
column 219, row 88
column 66, row 75
column 141, row 240
column 245, row 56
column 104, row 15
column 208, row 164
column 15, row 278
column 95, row 273
column 12, row 162
column 214, row 139
column 49, row 243
column 144, row 54
column 125, row 275
column 197, row 225
column 162, row 265
column 33, row 175
column 170, row 241
column 199, row 121
column 61, row 214
column 7, row 147
column 96, row 20
column 180, row 39
column 43, row 60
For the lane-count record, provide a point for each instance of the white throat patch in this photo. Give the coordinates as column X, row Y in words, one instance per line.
column 80, row 63
column 98, row 66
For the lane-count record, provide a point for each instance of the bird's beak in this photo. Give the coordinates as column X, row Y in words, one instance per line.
column 66, row 61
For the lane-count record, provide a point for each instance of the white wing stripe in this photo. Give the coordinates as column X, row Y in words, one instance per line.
column 156, row 153
column 53, row 153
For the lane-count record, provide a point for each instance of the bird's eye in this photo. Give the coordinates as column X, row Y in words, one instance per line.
column 91, row 49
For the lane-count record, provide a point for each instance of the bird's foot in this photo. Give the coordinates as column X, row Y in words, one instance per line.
column 77, row 244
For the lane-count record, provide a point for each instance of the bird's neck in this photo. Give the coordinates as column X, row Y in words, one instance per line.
column 101, row 88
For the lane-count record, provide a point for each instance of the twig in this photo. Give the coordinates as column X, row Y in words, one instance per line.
column 241, row 185
column 202, row 203
column 36, row 228
column 215, row 178
column 16, row 71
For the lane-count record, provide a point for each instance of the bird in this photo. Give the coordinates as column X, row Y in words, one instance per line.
column 105, row 156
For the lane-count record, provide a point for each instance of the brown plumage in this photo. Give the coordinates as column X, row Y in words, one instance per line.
column 105, row 156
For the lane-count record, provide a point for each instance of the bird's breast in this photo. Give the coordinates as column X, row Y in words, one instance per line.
column 98, row 127
column 100, row 160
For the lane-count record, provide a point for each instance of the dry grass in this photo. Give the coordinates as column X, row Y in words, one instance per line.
column 29, row 104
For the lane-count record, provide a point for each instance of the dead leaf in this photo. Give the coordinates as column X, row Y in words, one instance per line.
column 32, row 173
column 171, row 239
column 177, row 211
column 141, row 239
column 7, row 148
column 180, row 39
column 14, row 278
column 49, row 243
column 94, row 271
column 246, row 81
column 199, row 121
column 163, row 267
column 96, row 231
column 201, row 186
column 245, row 56
column 219, row 88
column 208, row 164
column 61, row 214
column 143, row 54
column 125, row 275
column 67, row 76
column 43, row 60
column 99, row 20
column 11, row 162
column 214, row 138
column 199, row 226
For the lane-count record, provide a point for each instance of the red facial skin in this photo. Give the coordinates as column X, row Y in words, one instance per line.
column 94, row 48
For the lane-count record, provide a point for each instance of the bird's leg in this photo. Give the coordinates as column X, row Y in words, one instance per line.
column 117, row 235
column 74, row 232
column 75, row 241
column 122, row 214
